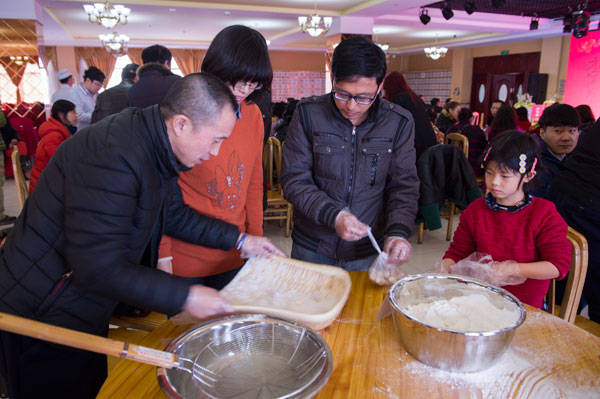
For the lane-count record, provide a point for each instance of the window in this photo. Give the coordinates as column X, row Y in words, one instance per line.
column 33, row 86
column 123, row 60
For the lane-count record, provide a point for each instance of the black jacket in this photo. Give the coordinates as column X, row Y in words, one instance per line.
column 154, row 81
column 328, row 164
column 88, row 235
column 111, row 101
column 445, row 174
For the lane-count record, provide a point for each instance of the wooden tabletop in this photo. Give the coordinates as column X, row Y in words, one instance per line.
column 548, row 359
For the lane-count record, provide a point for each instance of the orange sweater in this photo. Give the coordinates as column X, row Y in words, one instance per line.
column 228, row 187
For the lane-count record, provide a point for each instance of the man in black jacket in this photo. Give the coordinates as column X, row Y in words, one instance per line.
column 88, row 236
column 114, row 100
column 155, row 78
column 349, row 163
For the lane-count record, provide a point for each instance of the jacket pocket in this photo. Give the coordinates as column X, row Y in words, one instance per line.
column 59, row 287
column 375, row 158
column 327, row 158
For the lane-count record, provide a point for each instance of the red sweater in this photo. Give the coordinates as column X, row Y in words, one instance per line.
column 228, row 187
column 52, row 134
column 533, row 234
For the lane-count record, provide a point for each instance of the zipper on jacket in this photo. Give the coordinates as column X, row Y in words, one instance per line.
column 353, row 141
column 374, row 159
column 61, row 282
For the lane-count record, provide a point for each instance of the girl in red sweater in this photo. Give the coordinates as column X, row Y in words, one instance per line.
column 525, row 235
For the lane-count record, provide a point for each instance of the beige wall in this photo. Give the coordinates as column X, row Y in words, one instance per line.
column 297, row 61
column 462, row 75
column 65, row 58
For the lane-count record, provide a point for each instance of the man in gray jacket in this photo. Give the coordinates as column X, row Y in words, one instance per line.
column 349, row 163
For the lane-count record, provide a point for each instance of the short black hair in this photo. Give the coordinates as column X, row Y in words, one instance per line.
column 559, row 115
column 498, row 101
column 61, row 107
column 522, row 113
column 65, row 80
column 464, row 114
column 93, row 73
column 199, row 96
column 239, row 53
column 358, row 56
column 128, row 72
column 434, row 101
column 506, row 150
column 156, row 53
column 278, row 109
column 585, row 113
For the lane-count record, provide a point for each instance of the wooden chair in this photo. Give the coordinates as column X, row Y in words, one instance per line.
column 475, row 121
column 278, row 208
column 462, row 142
column 21, row 183
column 482, row 120
column 575, row 279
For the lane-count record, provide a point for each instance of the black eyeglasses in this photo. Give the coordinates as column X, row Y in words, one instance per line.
column 363, row 100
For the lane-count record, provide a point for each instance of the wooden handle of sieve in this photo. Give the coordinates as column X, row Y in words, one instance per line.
column 89, row 342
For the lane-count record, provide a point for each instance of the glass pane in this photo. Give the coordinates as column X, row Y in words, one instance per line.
column 481, row 93
column 503, row 92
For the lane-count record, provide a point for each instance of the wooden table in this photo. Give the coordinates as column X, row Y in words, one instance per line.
column 548, row 359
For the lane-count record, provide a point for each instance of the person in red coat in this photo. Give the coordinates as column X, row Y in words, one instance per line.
column 525, row 236
column 61, row 125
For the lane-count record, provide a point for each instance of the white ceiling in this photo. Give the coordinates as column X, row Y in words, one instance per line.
column 193, row 24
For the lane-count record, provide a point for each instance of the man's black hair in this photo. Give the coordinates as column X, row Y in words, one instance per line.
column 434, row 101
column 522, row 113
column 464, row 115
column 199, row 96
column 156, row 53
column 93, row 73
column 358, row 56
column 559, row 115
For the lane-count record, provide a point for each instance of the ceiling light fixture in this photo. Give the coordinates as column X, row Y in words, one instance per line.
column 535, row 22
column 447, row 11
column 312, row 24
column 435, row 52
column 498, row 3
column 581, row 23
column 19, row 60
column 115, row 43
column 568, row 21
column 424, row 16
column 470, row 7
column 106, row 14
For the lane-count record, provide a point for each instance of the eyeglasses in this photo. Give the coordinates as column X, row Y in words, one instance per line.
column 247, row 86
column 342, row 96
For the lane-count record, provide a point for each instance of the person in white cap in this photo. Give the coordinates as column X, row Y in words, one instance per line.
column 66, row 82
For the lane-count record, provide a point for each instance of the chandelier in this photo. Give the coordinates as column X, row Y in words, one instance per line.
column 312, row 24
column 115, row 43
column 435, row 52
column 19, row 60
column 106, row 14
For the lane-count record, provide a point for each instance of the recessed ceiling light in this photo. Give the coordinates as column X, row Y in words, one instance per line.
column 172, row 9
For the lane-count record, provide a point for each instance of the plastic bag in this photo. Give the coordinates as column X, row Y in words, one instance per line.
column 481, row 266
column 383, row 273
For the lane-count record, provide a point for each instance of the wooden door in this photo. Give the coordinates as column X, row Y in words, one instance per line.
column 503, row 88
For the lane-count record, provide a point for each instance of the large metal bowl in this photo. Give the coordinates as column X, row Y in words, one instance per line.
column 249, row 356
column 446, row 349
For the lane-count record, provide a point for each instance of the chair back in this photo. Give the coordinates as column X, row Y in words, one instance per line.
column 272, row 154
column 21, row 183
column 458, row 140
column 475, row 121
column 27, row 133
column 575, row 278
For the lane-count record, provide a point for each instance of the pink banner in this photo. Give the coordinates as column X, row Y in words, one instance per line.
column 297, row 84
column 537, row 111
column 582, row 85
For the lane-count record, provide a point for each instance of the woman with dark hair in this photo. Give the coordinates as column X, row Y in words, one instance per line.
column 587, row 118
column 61, row 125
column 505, row 119
column 397, row 90
column 228, row 186
column 448, row 116
column 476, row 136
column 523, row 119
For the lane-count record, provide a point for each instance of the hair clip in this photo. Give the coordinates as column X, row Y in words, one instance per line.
column 522, row 163
column 487, row 153
column 534, row 163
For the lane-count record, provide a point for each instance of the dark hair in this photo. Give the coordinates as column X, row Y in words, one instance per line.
column 522, row 113
column 451, row 105
column 358, row 56
column 61, row 107
column 464, row 114
column 585, row 113
column 278, row 109
column 505, row 119
column 199, row 96
column 93, row 73
column 289, row 110
column 239, row 53
column 498, row 101
column 395, row 84
column 156, row 53
column 129, row 71
column 506, row 150
column 434, row 101
column 65, row 80
column 559, row 115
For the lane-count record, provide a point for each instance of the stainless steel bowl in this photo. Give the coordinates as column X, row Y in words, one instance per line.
column 249, row 356
column 447, row 349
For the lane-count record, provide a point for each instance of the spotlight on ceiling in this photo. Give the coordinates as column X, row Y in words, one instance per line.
column 568, row 22
column 581, row 23
column 424, row 17
column 534, row 23
column 447, row 12
column 498, row 3
column 470, row 7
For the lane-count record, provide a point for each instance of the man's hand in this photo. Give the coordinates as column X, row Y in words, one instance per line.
column 349, row 227
column 398, row 249
column 203, row 302
column 255, row 245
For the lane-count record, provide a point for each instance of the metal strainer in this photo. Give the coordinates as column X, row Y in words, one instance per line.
column 248, row 356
